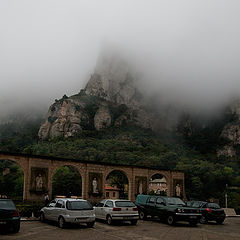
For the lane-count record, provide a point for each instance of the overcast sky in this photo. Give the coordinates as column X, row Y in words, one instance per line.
column 189, row 49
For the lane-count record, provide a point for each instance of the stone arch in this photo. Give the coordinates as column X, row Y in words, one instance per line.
column 54, row 169
column 159, row 182
column 123, row 172
column 22, row 167
column 21, row 164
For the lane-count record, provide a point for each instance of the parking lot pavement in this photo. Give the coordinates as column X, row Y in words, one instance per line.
column 145, row 230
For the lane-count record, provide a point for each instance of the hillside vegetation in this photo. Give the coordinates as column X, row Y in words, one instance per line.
column 206, row 175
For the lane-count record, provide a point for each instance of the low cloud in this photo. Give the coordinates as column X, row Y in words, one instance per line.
column 185, row 51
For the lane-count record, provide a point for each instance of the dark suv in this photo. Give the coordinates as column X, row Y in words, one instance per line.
column 210, row 211
column 9, row 216
column 171, row 209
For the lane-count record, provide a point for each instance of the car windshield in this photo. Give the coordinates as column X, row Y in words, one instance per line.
column 7, row 204
column 174, row 201
column 79, row 205
column 124, row 204
column 213, row 205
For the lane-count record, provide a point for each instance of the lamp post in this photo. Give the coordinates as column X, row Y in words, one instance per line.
column 226, row 197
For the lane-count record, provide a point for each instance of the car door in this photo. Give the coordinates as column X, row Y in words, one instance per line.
column 161, row 208
column 150, row 205
column 57, row 210
column 107, row 209
column 99, row 209
column 49, row 209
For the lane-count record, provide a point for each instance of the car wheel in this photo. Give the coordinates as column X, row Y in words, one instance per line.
column 133, row 222
column 42, row 217
column 142, row 215
column 109, row 220
column 203, row 220
column 170, row 220
column 61, row 222
column 90, row 224
column 16, row 227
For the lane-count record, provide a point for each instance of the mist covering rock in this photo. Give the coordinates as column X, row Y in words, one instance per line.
column 112, row 98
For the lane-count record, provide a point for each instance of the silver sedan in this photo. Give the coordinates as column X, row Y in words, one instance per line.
column 67, row 210
column 117, row 210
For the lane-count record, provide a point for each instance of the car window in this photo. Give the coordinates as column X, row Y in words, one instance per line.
column 152, row 200
column 109, row 204
column 79, row 205
column 160, row 201
column 52, row 203
column 7, row 204
column 213, row 205
column 174, row 201
column 124, row 204
column 59, row 204
column 100, row 204
column 203, row 205
column 196, row 204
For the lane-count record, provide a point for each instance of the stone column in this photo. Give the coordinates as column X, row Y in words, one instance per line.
column 85, row 182
column 26, row 183
column 50, row 175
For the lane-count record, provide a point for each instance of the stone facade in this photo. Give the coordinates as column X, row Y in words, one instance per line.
column 33, row 166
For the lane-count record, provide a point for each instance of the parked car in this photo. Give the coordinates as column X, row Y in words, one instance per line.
column 170, row 209
column 68, row 210
column 210, row 211
column 117, row 210
column 9, row 215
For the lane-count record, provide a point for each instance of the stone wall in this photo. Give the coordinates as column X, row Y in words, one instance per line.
column 45, row 167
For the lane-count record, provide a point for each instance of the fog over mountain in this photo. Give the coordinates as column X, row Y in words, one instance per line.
column 183, row 51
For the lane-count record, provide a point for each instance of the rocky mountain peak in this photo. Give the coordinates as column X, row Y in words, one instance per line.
column 114, row 81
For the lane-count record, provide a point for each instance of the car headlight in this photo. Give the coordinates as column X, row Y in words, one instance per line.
column 180, row 210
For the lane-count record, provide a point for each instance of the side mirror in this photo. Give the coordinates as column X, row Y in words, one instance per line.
column 51, row 205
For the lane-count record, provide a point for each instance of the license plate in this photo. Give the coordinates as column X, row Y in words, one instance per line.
column 80, row 219
column 126, row 217
column 3, row 222
column 193, row 217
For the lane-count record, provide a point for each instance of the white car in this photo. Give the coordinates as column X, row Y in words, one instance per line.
column 117, row 210
column 68, row 210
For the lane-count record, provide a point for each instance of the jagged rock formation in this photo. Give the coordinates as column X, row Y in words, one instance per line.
column 110, row 98
column 102, row 118
column 114, row 82
column 231, row 132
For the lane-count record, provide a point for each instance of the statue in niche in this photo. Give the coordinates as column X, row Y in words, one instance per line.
column 178, row 190
column 94, row 185
column 140, row 187
column 39, row 182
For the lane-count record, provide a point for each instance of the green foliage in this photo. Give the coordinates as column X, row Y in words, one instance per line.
column 206, row 175
column 11, row 182
column 67, row 179
column 52, row 119
column 119, row 179
column 117, row 111
column 29, row 209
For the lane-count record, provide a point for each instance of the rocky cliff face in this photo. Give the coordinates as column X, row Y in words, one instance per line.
column 64, row 119
column 231, row 132
column 110, row 98
column 114, row 82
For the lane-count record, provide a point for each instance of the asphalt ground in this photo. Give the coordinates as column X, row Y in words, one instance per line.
column 144, row 230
